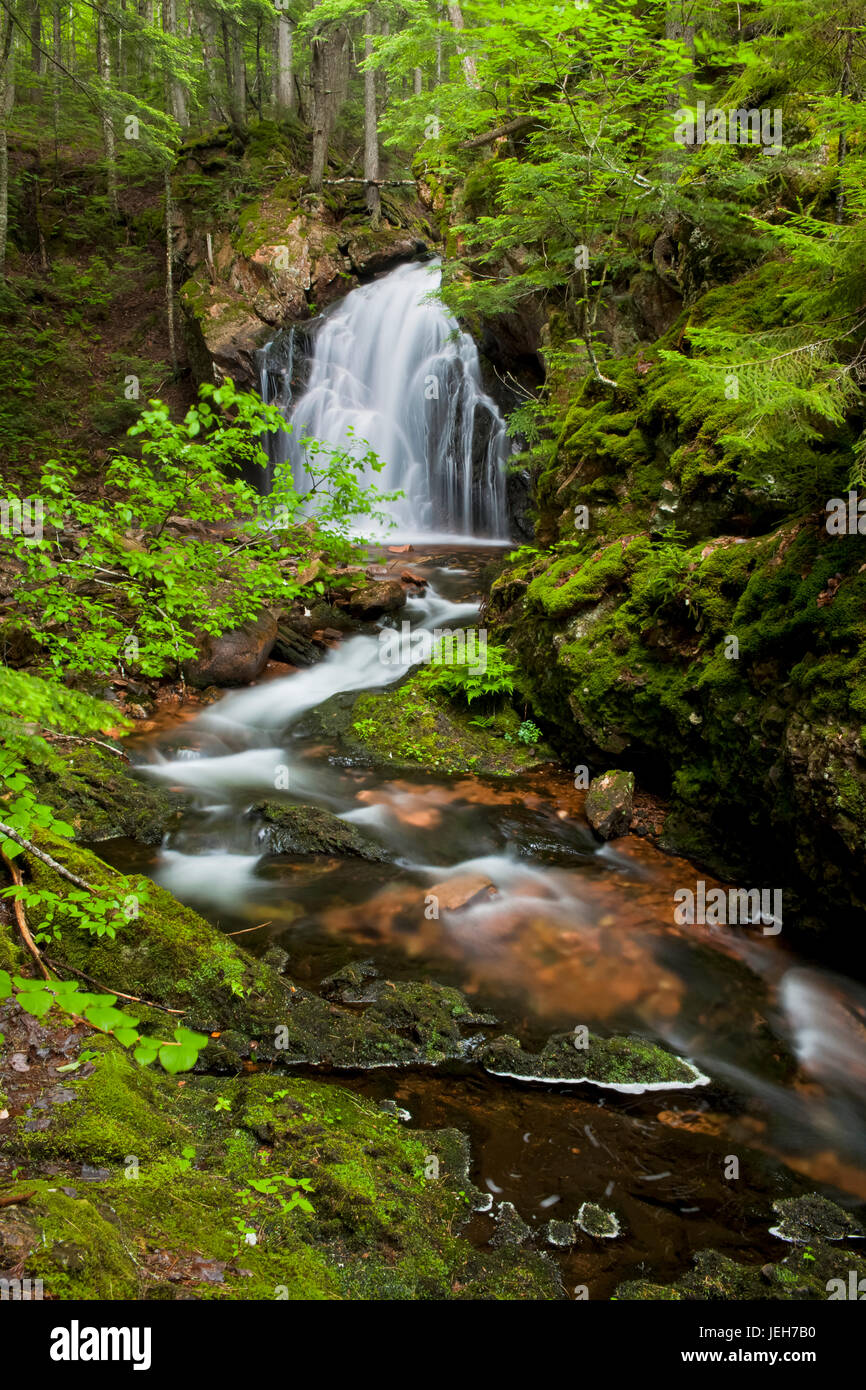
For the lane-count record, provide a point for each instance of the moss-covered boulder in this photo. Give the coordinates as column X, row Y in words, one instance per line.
column 410, row 727
column 610, row 803
column 625, row 1064
column 193, row 1196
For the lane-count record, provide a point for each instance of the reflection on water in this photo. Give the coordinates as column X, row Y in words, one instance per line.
column 547, row 928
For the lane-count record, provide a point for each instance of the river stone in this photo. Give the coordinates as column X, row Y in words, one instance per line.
column 309, row 830
column 236, row 657
column 559, row 1233
column 803, row 1219
column 372, row 601
column 627, row 1064
column 511, row 1229
column 597, row 1222
column 294, row 647
column 351, row 984
column 609, row 803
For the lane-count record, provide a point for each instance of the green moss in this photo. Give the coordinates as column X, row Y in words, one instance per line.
column 410, row 726
column 180, row 1169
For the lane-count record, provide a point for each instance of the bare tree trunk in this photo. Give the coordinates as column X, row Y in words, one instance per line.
column 284, row 90
column 169, row 268
column 57, row 48
column 7, row 101
column 418, row 76
column 239, row 75
column 36, row 38
column 235, row 115
column 176, row 93
column 371, row 129
column 206, row 24
column 103, row 63
column 844, row 89
column 470, row 71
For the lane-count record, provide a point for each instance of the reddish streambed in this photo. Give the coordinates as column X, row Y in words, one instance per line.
column 574, row 933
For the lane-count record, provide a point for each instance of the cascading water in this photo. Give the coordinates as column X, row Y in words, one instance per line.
column 391, row 368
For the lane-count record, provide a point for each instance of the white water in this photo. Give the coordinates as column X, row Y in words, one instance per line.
column 391, row 368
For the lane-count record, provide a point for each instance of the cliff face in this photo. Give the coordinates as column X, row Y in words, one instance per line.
column 674, row 619
column 257, row 255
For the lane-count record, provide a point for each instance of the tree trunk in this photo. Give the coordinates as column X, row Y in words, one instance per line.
column 103, row 64
column 36, row 38
column 844, row 89
column 371, row 129
column 239, row 75
column 235, row 115
column 470, row 72
column 418, row 82
column 169, row 268
column 284, row 90
column 176, row 92
column 7, row 101
column 57, row 49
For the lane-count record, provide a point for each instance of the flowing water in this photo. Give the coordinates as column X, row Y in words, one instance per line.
column 392, row 369
column 576, row 933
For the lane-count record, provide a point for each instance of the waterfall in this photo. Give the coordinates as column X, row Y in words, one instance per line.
column 392, row 368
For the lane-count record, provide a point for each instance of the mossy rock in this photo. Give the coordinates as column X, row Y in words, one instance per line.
column 814, row 1272
column 309, row 830
column 410, row 727
column 628, row 1064
column 167, row 1218
column 173, row 957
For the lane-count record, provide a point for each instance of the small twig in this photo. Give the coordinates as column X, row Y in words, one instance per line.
column 244, row 930
column 76, row 738
column 109, row 989
column 17, row 1197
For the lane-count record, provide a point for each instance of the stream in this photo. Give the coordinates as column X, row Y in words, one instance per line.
column 577, row 932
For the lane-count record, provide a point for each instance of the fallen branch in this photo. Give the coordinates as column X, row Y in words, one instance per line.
column 109, row 989
column 45, row 858
column 20, row 918
column 510, row 128
column 16, row 1197
column 76, row 738
column 379, row 183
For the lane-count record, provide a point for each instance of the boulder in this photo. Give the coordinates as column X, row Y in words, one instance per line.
column 610, row 803
column 235, row 657
column 372, row 601
column 309, row 830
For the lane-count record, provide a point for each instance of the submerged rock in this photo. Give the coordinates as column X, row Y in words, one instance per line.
column 511, row 1229
column 803, row 1219
column 628, row 1064
column 596, row 1222
column 309, row 830
column 559, row 1233
column 610, row 803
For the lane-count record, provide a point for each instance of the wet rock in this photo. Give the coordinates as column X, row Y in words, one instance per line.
column 627, row 1064
column 372, row 601
column 559, row 1233
column 597, row 1222
column 390, row 1107
column 373, row 251
column 462, row 891
column 804, row 1219
column 816, row 1271
column 236, row 657
column 295, row 647
column 511, row 1229
column 609, row 803
column 351, row 984
column 308, row 830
